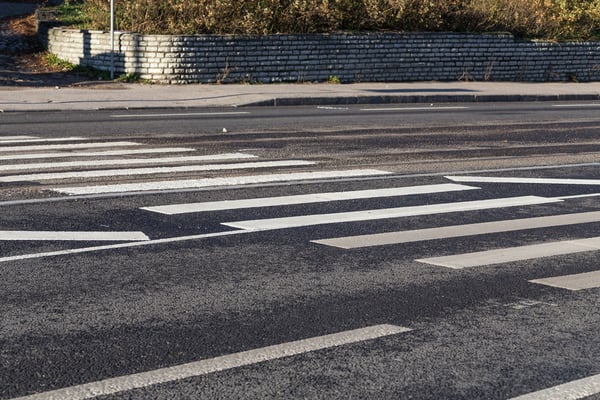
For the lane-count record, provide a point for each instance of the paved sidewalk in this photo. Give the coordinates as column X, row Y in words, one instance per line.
column 133, row 96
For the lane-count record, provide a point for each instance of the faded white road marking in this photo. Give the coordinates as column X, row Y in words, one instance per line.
column 579, row 196
column 222, row 363
column 586, row 280
column 41, row 140
column 387, row 213
column 431, row 108
column 215, row 182
column 132, row 161
column 577, row 105
column 574, row 390
column 67, row 146
column 191, row 114
column 92, row 249
column 108, row 153
column 153, row 171
column 304, row 199
column 9, row 138
column 511, row 254
column 541, row 181
column 73, row 236
column 418, row 235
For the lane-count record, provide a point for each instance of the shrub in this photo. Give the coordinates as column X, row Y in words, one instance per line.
column 550, row 19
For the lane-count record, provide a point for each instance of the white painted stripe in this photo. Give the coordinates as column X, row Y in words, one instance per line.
column 67, row 146
column 511, row 254
column 132, row 161
column 41, row 140
column 152, row 171
column 108, row 153
column 215, row 182
column 72, row 236
column 431, row 108
column 387, row 213
column 577, row 105
column 542, row 181
column 93, row 249
column 6, row 138
column 574, row 390
column 418, row 235
column 191, row 114
column 587, row 280
column 304, row 199
column 222, row 363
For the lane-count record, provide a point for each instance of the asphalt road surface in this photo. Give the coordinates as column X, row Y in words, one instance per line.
column 414, row 252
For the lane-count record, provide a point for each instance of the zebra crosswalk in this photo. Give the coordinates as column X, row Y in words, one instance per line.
column 65, row 162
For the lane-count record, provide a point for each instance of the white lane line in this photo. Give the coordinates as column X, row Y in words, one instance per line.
column 72, row 236
column 577, row 105
column 511, row 254
column 71, row 146
column 431, row 108
column 304, row 199
column 418, row 235
column 41, row 140
column 6, row 138
column 542, row 181
column 579, row 196
column 131, row 161
column 587, row 280
column 216, row 182
column 386, row 213
column 93, row 249
column 574, row 390
column 196, row 114
column 153, row 171
column 108, row 153
column 222, row 363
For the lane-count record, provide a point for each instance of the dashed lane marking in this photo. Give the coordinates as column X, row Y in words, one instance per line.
column 9, row 138
column 218, row 182
column 574, row 390
column 418, row 235
column 542, row 181
column 387, row 213
column 108, row 153
column 191, row 114
column 71, row 146
column 132, row 161
column 174, row 209
column 72, row 236
column 586, row 280
column 24, row 139
column 222, row 363
column 511, row 254
column 153, row 171
column 430, row 108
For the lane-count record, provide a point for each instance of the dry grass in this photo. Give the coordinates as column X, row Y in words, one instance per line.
column 549, row 19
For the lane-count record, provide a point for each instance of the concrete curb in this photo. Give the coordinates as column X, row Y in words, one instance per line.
column 332, row 101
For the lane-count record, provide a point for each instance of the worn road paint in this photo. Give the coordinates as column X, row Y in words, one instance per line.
column 174, row 209
column 152, row 171
column 575, row 390
column 222, row 363
column 132, row 161
column 511, row 254
column 217, row 182
column 418, row 235
column 72, row 236
column 586, row 280
column 387, row 213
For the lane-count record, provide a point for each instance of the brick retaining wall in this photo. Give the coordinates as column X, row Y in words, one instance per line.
column 369, row 57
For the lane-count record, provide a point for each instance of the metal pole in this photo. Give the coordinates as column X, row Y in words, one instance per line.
column 112, row 39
